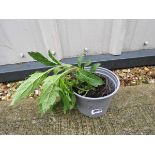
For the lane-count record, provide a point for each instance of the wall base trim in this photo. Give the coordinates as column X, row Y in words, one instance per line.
column 16, row 72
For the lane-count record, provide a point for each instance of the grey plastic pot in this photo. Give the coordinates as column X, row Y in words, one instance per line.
column 95, row 107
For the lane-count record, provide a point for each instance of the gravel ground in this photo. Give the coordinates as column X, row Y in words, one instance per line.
column 128, row 77
column 132, row 112
column 136, row 76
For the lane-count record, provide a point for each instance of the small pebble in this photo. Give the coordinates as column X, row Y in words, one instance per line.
column 8, row 96
column 36, row 92
column 146, row 69
column 152, row 74
column 5, row 91
column 151, row 81
column 133, row 83
column 4, row 86
column 125, row 70
column 8, row 85
column 3, row 98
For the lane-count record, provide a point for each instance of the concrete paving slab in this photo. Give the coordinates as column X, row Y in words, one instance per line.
column 132, row 111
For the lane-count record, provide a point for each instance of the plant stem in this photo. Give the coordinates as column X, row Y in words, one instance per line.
column 49, row 70
column 69, row 70
column 86, row 93
column 82, row 89
column 61, row 65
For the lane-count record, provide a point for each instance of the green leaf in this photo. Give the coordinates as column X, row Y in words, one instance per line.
column 67, row 66
column 88, row 77
column 88, row 62
column 49, row 94
column 28, row 86
column 40, row 58
column 61, row 68
column 94, row 67
column 53, row 58
column 67, row 96
column 80, row 60
column 58, row 69
column 66, row 101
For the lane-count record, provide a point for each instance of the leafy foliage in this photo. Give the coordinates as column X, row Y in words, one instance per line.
column 79, row 61
column 28, row 86
column 49, row 94
column 40, row 58
column 60, row 85
column 88, row 62
column 58, row 69
column 89, row 78
column 53, row 58
column 67, row 95
column 94, row 67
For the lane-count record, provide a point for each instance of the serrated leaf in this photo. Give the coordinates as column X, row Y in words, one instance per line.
column 49, row 94
column 94, row 67
column 53, row 58
column 28, row 86
column 67, row 96
column 88, row 62
column 90, row 78
column 80, row 60
column 40, row 58
column 66, row 101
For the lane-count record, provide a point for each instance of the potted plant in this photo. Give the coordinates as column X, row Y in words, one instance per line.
column 87, row 86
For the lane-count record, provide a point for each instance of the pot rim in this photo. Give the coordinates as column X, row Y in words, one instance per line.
column 104, row 97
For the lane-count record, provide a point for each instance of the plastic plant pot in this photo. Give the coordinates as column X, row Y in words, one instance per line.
column 96, row 107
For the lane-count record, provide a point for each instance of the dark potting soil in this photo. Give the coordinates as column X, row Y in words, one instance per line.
column 103, row 90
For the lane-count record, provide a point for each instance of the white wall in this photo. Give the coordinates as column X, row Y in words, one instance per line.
column 21, row 36
column 69, row 37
